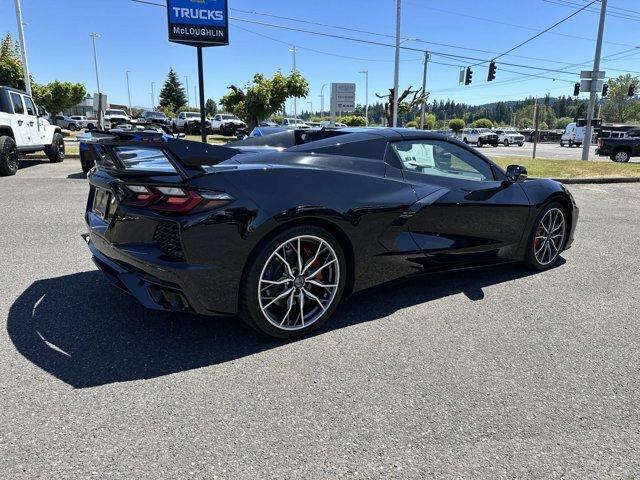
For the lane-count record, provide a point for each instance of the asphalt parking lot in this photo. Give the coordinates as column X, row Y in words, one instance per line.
column 495, row 373
column 543, row 150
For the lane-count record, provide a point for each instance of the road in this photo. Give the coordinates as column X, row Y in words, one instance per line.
column 543, row 150
column 496, row 373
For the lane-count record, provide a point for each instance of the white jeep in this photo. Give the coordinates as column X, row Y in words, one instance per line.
column 24, row 130
column 227, row 124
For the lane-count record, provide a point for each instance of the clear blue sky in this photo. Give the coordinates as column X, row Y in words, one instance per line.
column 134, row 37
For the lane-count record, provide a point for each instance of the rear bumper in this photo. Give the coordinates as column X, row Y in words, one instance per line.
column 159, row 285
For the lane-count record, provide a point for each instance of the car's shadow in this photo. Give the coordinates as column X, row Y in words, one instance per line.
column 87, row 333
column 27, row 162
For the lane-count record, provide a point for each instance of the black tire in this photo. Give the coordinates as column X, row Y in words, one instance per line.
column 495, row 145
column 72, row 128
column 249, row 303
column 506, row 142
column 224, row 130
column 521, row 144
column 8, row 156
column 570, row 143
column 465, row 140
column 561, row 143
column 578, row 145
column 621, row 155
column 91, row 126
column 55, row 151
column 479, row 144
column 531, row 259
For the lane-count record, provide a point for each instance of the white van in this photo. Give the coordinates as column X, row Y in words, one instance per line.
column 573, row 135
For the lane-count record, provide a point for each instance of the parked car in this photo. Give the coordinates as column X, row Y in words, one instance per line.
column 228, row 124
column 188, row 122
column 65, row 122
column 479, row 136
column 151, row 116
column 509, row 136
column 294, row 123
column 573, row 135
column 327, row 123
column 209, row 229
column 81, row 120
column 267, row 123
column 620, row 149
column 24, row 130
column 116, row 117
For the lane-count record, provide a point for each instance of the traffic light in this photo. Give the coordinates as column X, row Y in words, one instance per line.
column 576, row 89
column 492, row 72
column 468, row 76
column 605, row 89
column 632, row 90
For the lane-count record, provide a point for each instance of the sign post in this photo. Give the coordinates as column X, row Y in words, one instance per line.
column 199, row 23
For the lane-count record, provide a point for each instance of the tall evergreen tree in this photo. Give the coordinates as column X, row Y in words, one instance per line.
column 172, row 95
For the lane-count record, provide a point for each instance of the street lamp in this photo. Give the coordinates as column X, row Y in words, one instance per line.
column 153, row 97
column 322, row 99
column 310, row 107
column 366, row 104
column 396, row 68
column 23, row 48
column 129, row 91
column 188, row 93
column 93, row 36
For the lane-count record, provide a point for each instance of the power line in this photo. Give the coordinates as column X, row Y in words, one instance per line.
column 509, row 24
column 568, row 4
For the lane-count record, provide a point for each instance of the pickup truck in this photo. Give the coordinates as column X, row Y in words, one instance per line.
column 188, row 122
column 23, row 129
column 227, row 124
column 620, row 149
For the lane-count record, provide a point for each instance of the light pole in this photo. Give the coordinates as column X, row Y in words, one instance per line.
column 129, row 91
column 23, row 48
column 93, row 36
column 396, row 69
column 366, row 98
column 310, row 107
column 586, row 143
column 322, row 99
column 295, row 103
column 424, row 89
column 153, row 97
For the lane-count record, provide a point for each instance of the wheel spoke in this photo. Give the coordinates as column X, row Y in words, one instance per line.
column 320, row 269
column 321, row 285
column 286, row 264
column 299, row 252
column 289, row 307
column 313, row 297
column 275, row 299
column 301, row 305
column 315, row 257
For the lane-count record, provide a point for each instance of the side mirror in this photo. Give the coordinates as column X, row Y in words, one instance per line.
column 180, row 135
column 41, row 112
column 516, row 173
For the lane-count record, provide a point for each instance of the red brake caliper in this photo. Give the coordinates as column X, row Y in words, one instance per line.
column 536, row 241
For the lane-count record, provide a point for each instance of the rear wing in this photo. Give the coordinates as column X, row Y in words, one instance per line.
column 97, row 146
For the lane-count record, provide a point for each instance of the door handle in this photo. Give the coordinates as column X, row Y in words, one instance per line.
column 20, row 122
column 31, row 124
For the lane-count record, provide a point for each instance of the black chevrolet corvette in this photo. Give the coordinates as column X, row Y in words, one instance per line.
column 278, row 229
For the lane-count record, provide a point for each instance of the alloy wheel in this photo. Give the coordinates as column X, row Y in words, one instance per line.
column 298, row 282
column 12, row 158
column 549, row 236
column 622, row 156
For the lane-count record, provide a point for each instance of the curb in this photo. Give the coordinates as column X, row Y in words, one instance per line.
column 602, row 180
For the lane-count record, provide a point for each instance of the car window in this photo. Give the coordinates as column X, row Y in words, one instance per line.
column 443, row 159
column 16, row 100
column 141, row 158
column 31, row 108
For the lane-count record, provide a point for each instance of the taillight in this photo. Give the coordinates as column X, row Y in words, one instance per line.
column 600, row 143
column 175, row 199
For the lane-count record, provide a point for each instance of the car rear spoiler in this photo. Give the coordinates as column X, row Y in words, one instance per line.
column 188, row 153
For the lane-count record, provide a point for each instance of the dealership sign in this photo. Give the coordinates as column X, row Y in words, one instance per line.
column 199, row 23
column 343, row 97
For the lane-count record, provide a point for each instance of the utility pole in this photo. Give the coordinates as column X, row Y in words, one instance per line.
column 423, row 107
column 586, row 143
column 310, row 106
column 188, row 93
column 153, row 97
column 93, row 36
column 396, row 69
column 23, row 48
column 366, row 98
column 129, row 91
column 535, row 129
column 295, row 100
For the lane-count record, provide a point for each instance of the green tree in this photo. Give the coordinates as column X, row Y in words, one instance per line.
column 172, row 95
column 456, row 124
column 562, row 122
column 412, row 124
column 11, row 73
column 618, row 107
column 211, row 108
column 482, row 123
column 265, row 96
column 56, row 96
column 524, row 115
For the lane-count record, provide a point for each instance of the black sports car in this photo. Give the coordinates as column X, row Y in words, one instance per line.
column 278, row 229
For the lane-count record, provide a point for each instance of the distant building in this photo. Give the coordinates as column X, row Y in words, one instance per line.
column 88, row 107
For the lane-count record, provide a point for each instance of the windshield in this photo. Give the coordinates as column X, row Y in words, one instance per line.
column 115, row 112
column 155, row 115
column 229, row 117
column 192, row 115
